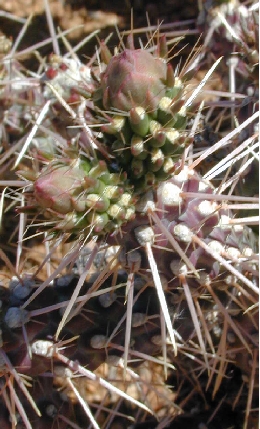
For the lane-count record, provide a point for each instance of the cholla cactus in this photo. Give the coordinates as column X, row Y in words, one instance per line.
column 139, row 114
column 232, row 28
column 181, row 283
column 19, row 99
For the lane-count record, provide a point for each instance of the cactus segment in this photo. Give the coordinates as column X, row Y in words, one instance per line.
column 127, row 82
column 83, row 196
column 142, row 87
column 137, row 108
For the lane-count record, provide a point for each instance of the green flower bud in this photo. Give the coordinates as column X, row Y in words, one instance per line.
column 155, row 127
column 72, row 222
column 171, row 142
column 99, row 169
column 156, row 160
column 97, row 221
column 115, row 126
column 168, row 168
column 138, row 147
column 112, row 192
column 130, row 214
column 97, row 202
column 174, row 91
column 122, row 152
column 181, row 119
column 125, row 200
column 165, row 116
column 116, row 212
column 137, row 168
column 139, row 121
column 158, row 139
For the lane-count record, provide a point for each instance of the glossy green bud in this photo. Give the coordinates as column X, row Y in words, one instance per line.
column 139, row 121
column 138, row 149
column 97, row 202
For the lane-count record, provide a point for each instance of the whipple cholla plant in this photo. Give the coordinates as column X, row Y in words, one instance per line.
column 170, row 277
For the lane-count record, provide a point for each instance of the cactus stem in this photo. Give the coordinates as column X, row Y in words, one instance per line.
column 186, row 264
